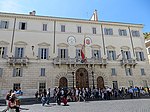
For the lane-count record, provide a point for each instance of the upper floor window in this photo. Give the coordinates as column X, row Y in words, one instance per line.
column 44, row 27
column 17, row 72
column 111, row 54
column 3, row 52
column 140, row 56
column 78, row 53
column 4, row 24
column 113, row 71
column 96, row 54
column 148, row 50
column 79, row 29
column 63, row 53
column 19, row 52
column 108, row 31
column 43, row 53
column 142, row 71
column 126, row 54
column 128, row 71
column 62, row 28
column 94, row 30
column 42, row 72
column 135, row 33
column 122, row 32
column 22, row 25
column 1, row 72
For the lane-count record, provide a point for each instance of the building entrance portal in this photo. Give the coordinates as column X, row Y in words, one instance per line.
column 100, row 82
column 63, row 83
column 82, row 80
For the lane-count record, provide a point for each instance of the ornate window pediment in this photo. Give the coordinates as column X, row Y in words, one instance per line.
column 3, row 43
column 110, row 47
column 95, row 46
column 125, row 48
column 138, row 48
column 62, row 45
column 20, row 43
column 79, row 46
column 43, row 44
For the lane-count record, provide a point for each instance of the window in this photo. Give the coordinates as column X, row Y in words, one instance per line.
column 43, row 53
column 79, row 29
column 4, row 24
column 16, row 86
column 19, row 52
column 115, row 85
column 22, row 25
column 42, row 86
column 126, row 54
column 62, row 28
column 142, row 71
column 139, row 56
column 96, row 54
column 108, row 31
column 3, row 52
column 1, row 72
column 113, row 71
column 145, row 83
column 111, row 55
column 135, row 33
column 17, row 72
column 122, row 32
column 63, row 53
column 94, row 30
column 42, row 72
column 78, row 53
column 128, row 72
column 44, row 27
column 131, row 83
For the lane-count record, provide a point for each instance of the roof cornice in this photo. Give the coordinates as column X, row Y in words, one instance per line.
column 50, row 18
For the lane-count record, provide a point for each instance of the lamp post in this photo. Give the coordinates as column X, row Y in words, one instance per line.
column 93, row 79
column 73, row 79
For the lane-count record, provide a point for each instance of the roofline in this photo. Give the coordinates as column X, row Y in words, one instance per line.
column 68, row 19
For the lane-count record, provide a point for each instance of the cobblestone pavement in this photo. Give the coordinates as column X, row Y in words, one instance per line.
column 135, row 105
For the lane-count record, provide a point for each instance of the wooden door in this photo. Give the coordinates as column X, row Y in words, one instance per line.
column 100, row 82
column 63, row 83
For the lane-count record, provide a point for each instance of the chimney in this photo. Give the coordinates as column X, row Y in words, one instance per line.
column 32, row 13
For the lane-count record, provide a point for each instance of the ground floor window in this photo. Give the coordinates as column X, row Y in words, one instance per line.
column 42, row 86
column 16, row 86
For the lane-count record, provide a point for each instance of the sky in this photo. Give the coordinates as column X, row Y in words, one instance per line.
column 126, row 11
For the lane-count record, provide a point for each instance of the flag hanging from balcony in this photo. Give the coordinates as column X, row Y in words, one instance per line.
column 83, row 52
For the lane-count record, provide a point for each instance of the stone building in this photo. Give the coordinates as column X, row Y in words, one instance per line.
column 39, row 52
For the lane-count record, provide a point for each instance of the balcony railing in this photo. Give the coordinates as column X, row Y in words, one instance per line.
column 128, row 62
column 18, row 61
column 79, row 61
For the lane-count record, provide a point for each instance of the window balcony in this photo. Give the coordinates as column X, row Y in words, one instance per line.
column 130, row 62
column 75, row 61
column 18, row 61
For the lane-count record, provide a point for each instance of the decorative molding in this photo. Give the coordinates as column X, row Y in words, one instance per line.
column 3, row 43
column 138, row 48
column 20, row 43
column 43, row 44
column 124, row 47
column 95, row 46
column 63, row 45
column 110, row 47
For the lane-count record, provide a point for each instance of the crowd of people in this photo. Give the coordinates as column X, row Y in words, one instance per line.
column 84, row 94
column 13, row 101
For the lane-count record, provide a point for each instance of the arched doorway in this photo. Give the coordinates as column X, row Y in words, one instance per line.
column 82, row 80
column 100, row 82
column 63, row 82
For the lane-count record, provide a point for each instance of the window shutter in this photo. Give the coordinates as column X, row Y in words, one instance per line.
column 119, row 32
column 5, row 52
column 125, row 32
column 39, row 53
column 99, row 54
column 126, row 70
column 131, row 73
column 129, row 55
column 1, row 72
column 21, row 72
column 66, row 53
column 142, row 56
column 105, row 31
column 20, row 24
column 59, row 53
column 137, row 56
column 47, row 53
column 22, row 53
column 16, row 52
column 123, row 55
column 111, row 31
column 114, row 55
column 14, row 72
column 25, row 26
column 108, row 55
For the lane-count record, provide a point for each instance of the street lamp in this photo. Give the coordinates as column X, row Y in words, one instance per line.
column 73, row 79
column 93, row 79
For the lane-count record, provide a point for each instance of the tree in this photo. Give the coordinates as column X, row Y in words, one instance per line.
column 146, row 35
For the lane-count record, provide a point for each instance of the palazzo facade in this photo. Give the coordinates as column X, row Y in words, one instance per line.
column 38, row 52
